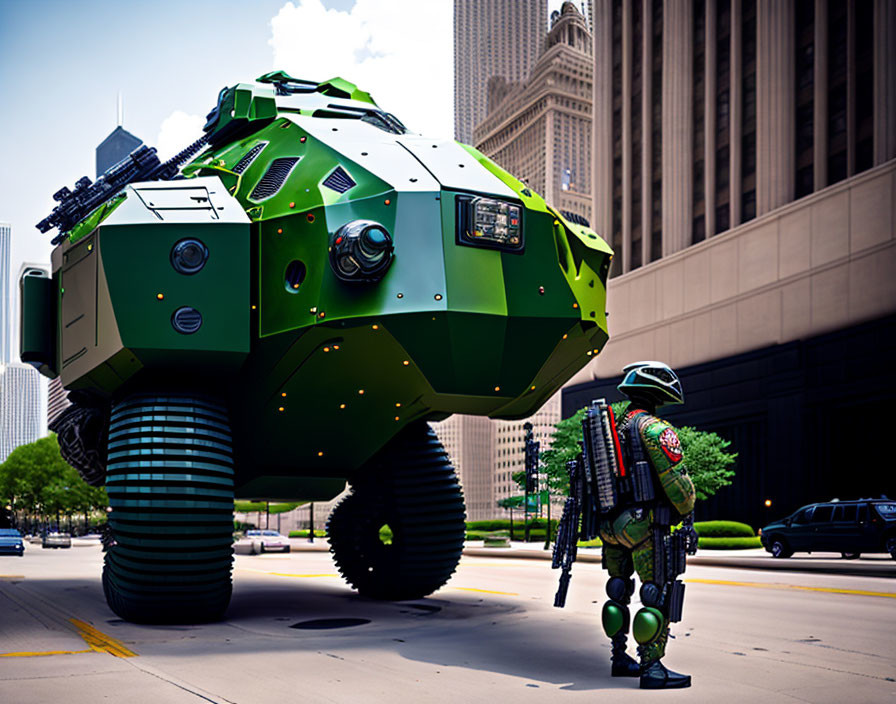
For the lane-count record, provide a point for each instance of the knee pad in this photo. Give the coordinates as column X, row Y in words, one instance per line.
column 651, row 594
column 619, row 589
column 648, row 625
column 614, row 618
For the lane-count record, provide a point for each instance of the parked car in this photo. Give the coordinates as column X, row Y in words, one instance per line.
column 269, row 539
column 56, row 540
column 11, row 542
column 847, row 527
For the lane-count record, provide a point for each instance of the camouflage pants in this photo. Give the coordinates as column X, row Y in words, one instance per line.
column 623, row 561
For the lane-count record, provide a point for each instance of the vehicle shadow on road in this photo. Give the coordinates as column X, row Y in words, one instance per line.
column 507, row 635
column 451, row 629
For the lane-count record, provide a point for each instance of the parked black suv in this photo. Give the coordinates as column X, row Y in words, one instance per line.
column 847, row 527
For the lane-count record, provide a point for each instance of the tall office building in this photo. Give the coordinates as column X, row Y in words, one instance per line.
column 5, row 292
column 469, row 440
column 540, row 131
column 510, row 442
column 115, row 147
column 21, row 409
column 745, row 175
column 492, row 38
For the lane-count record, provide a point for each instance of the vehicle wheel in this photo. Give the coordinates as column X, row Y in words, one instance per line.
column 891, row 546
column 261, row 548
column 850, row 555
column 170, row 485
column 779, row 549
column 410, row 486
column 288, row 549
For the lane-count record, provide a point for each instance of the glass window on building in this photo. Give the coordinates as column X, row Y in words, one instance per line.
column 805, row 97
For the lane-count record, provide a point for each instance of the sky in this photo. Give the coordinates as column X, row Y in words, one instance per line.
column 63, row 64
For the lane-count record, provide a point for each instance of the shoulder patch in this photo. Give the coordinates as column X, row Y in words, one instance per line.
column 671, row 445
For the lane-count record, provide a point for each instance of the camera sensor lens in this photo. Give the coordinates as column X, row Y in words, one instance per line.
column 189, row 256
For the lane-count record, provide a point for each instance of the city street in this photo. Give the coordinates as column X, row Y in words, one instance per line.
column 296, row 631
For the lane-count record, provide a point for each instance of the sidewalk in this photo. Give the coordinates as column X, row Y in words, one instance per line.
column 877, row 565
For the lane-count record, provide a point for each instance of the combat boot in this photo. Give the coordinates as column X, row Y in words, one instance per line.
column 656, row 676
column 622, row 664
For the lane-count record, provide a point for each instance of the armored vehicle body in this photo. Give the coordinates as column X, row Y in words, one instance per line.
column 285, row 312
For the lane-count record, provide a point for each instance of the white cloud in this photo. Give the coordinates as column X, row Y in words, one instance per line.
column 401, row 52
column 178, row 131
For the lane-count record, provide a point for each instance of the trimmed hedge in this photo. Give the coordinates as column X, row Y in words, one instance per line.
column 504, row 524
column 741, row 543
column 304, row 533
column 723, row 529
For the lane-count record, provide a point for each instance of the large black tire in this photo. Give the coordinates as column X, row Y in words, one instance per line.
column 170, row 485
column 411, row 487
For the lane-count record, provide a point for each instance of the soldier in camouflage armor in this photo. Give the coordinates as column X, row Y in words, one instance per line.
column 630, row 533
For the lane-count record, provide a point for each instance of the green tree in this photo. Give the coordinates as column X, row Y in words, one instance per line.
column 704, row 453
column 708, row 464
column 35, row 479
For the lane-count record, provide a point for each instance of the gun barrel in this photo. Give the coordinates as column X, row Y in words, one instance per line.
column 142, row 164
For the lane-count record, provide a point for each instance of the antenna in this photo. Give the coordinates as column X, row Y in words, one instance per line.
column 120, row 110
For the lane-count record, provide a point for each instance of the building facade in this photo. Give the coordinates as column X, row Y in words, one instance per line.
column 712, row 113
column 492, row 38
column 469, row 442
column 5, row 294
column 509, row 455
column 745, row 174
column 21, row 409
column 540, row 129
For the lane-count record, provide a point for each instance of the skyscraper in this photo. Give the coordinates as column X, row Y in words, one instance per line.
column 492, row 38
column 5, row 307
column 510, row 442
column 20, row 407
column 115, row 147
column 469, row 440
column 540, row 131
column 744, row 173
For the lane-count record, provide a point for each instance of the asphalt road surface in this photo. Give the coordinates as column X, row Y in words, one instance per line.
column 296, row 632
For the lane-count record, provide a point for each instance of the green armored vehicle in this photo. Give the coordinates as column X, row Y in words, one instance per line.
column 282, row 307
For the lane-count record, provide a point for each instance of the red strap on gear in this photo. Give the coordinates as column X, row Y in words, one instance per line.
column 616, row 441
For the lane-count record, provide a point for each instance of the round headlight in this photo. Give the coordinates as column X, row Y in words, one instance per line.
column 361, row 251
column 189, row 256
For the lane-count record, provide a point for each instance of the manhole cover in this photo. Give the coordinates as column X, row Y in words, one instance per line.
column 321, row 624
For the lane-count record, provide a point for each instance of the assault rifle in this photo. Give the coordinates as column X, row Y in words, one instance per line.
column 142, row 164
column 566, row 547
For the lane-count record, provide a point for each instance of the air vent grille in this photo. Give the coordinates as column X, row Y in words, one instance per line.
column 575, row 218
column 339, row 180
column 249, row 157
column 274, row 177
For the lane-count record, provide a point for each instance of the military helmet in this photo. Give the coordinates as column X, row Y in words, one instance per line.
column 654, row 380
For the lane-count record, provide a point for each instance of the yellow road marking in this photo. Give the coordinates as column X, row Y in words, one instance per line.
column 27, row 654
column 764, row 585
column 100, row 642
column 12, row 576
column 486, row 591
